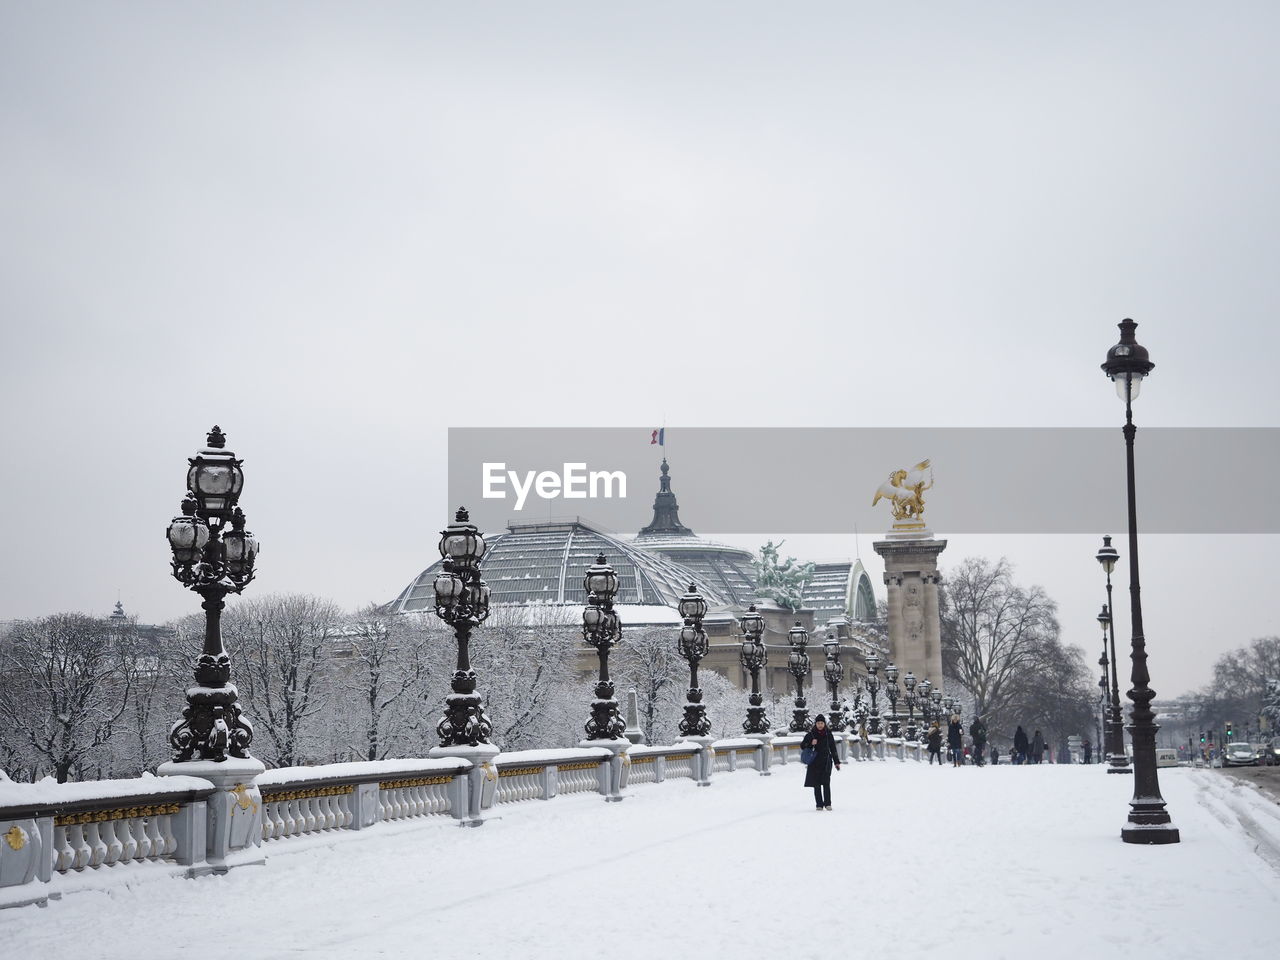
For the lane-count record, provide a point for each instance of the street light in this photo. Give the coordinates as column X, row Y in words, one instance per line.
column 833, row 673
column 1113, row 729
column 873, row 684
column 602, row 629
column 909, row 681
column 1149, row 822
column 754, row 656
column 462, row 602
column 212, row 560
column 891, row 691
column 693, row 647
column 798, row 664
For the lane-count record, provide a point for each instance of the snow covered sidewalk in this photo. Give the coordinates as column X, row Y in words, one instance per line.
column 970, row 863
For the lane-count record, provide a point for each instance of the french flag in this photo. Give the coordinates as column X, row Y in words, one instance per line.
column 659, row 437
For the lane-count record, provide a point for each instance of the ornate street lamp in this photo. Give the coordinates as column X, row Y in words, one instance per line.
column 798, row 664
column 873, row 684
column 693, row 647
column 462, row 601
column 601, row 629
column 833, row 673
column 1149, row 822
column 754, row 657
column 891, row 691
column 1113, row 727
column 213, row 555
column 909, row 681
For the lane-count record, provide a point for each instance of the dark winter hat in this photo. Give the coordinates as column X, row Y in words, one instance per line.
column 819, row 717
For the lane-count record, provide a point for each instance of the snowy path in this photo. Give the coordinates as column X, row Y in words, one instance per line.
column 991, row 863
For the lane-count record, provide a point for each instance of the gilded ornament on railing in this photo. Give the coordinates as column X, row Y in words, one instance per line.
column 121, row 813
column 586, row 765
column 313, row 793
column 490, row 773
column 416, row 782
column 521, row 771
column 244, row 799
column 15, row 837
column 905, row 491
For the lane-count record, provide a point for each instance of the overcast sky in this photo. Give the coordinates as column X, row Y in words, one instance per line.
column 339, row 229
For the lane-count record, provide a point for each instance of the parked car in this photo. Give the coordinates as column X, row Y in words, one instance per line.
column 1239, row 755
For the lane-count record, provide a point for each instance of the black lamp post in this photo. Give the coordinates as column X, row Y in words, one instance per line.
column 601, row 629
column 693, row 647
column 213, row 555
column 1149, row 822
column 798, row 664
column 1117, row 758
column 833, row 673
column 891, row 691
column 754, row 656
column 909, row 681
column 462, row 601
column 873, row 685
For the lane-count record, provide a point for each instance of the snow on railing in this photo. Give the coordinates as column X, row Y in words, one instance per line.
column 200, row 825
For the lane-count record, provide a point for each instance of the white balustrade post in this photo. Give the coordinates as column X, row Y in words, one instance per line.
column 190, row 827
column 233, row 833
column 365, row 808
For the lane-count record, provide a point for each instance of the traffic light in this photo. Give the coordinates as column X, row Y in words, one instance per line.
column 1202, row 736
column 1228, row 730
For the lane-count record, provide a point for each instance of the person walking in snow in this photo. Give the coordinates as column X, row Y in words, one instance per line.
column 978, row 730
column 955, row 739
column 934, row 737
column 995, row 755
column 1020, row 746
column 818, row 773
column 1038, row 747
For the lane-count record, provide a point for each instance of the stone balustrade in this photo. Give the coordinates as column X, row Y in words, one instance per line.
column 51, row 833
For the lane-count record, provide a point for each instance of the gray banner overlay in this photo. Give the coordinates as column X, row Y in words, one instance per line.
column 739, row 480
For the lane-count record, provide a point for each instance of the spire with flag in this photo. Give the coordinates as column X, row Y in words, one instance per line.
column 659, row 437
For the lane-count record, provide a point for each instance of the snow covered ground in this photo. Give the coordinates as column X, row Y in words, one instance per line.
column 971, row 863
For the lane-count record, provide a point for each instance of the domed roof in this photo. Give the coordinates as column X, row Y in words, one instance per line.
column 544, row 562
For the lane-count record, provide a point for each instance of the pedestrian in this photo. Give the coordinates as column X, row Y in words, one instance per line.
column 978, row 730
column 1020, row 746
column 934, row 736
column 1038, row 747
column 1088, row 751
column 995, row 755
column 955, row 739
column 818, row 774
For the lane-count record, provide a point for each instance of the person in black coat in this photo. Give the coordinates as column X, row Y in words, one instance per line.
column 818, row 774
column 934, row 736
column 1020, row 745
column 1038, row 747
column 955, row 739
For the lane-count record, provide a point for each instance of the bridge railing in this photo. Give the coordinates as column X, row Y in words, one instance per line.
column 51, row 833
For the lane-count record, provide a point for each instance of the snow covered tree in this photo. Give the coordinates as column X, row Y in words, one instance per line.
column 647, row 661
column 65, row 681
column 280, row 647
column 781, row 581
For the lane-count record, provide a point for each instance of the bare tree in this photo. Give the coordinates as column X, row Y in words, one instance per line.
column 280, row 650
column 64, row 683
column 647, row 660
column 993, row 630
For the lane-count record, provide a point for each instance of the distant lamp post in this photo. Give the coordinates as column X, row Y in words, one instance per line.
column 601, row 629
column 798, row 664
column 833, row 673
column 693, row 647
column 873, row 685
column 1127, row 364
column 462, row 601
column 891, row 691
column 909, row 681
column 754, row 657
column 213, row 555
column 1113, row 727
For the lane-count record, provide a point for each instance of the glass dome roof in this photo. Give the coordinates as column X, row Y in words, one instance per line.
column 545, row 563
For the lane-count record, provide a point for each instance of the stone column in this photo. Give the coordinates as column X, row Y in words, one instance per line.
column 911, row 576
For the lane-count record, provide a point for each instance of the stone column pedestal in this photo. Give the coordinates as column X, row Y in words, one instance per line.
column 612, row 767
column 481, row 780
column 233, row 826
column 704, row 758
column 915, row 633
